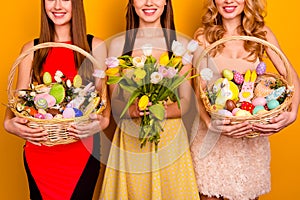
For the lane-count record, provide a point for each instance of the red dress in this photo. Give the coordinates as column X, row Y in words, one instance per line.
column 66, row 171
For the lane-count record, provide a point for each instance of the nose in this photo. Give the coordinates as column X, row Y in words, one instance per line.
column 228, row 1
column 57, row 4
column 149, row 2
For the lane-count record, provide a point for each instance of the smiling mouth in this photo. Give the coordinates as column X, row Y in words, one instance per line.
column 229, row 8
column 149, row 11
column 58, row 14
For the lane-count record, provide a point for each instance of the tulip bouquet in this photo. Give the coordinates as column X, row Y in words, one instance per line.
column 152, row 82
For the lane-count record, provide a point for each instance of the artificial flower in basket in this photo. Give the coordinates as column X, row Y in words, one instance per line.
column 152, row 82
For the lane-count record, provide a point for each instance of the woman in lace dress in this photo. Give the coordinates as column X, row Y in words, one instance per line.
column 236, row 167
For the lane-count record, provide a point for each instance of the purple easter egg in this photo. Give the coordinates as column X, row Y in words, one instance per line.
column 78, row 113
column 261, row 68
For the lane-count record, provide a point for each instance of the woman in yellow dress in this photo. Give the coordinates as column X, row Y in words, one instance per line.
column 141, row 173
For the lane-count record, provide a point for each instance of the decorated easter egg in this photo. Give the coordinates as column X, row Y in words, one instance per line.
column 234, row 111
column 247, row 106
column 49, row 98
column 224, row 112
column 41, row 103
column 273, row 104
column 238, row 78
column 68, row 113
column 257, row 109
column 259, row 101
column 78, row 113
column 261, row 68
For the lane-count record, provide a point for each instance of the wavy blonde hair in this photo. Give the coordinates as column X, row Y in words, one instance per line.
column 252, row 24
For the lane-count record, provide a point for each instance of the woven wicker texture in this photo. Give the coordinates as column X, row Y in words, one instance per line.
column 57, row 128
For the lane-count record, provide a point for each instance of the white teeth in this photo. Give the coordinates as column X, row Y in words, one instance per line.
column 58, row 14
column 149, row 11
column 229, row 9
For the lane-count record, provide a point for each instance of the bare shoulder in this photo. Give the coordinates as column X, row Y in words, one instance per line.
column 96, row 42
column 116, row 45
column 270, row 36
column 183, row 40
column 27, row 46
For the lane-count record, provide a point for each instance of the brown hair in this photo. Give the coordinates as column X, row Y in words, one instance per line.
column 132, row 25
column 252, row 24
column 78, row 36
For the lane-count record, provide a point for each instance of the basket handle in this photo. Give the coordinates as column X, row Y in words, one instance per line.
column 49, row 45
column 254, row 39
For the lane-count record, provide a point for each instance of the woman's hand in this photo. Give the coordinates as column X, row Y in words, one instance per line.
column 18, row 127
column 96, row 124
column 276, row 124
column 234, row 131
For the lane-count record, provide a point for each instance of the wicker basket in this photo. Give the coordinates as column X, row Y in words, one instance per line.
column 57, row 128
column 258, row 118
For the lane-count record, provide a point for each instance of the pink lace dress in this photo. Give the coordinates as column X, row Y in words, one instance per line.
column 237, row 169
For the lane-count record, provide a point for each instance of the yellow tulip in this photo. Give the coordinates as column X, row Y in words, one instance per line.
column 122, row 62
column 164, row 59
column 143, row 102
column 176, row 60
column 112, row 71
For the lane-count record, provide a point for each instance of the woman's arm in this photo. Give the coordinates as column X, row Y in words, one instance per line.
column 285, row 118
column 16, row 125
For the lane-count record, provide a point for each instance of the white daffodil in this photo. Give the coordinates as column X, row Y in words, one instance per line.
column 59, row 73
column 147, row 49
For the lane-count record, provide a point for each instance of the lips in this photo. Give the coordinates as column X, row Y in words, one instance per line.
column 229, row 9
column 149, row 11
column 59, row 14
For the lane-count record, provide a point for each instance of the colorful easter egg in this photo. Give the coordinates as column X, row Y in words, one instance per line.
column 41, row 103
column 68, row 113
column 234, row 111
column 242, row 113
column 257, row 109
column 261, row 68
column 78, row 113
column 224, row 112
column 39, row 116
column 238, row 77
column 247, row 106
column 230, row 105
column 259, row 101
column 272, row 104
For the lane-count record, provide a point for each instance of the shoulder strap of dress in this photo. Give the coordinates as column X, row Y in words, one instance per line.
column 36, row 41
column 90, row 40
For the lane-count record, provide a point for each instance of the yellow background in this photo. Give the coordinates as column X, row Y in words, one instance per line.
column 20, row 23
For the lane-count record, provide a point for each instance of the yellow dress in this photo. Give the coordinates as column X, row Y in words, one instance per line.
column 141, row 174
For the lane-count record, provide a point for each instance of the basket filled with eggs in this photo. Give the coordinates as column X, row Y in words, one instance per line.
column 255, row 95
column 57, row 102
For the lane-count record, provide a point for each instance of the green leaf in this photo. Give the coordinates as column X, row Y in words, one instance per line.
column 134, row 95
column 113, row 80
column 158, row 111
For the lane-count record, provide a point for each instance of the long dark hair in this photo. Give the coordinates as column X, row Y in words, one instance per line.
column 132, row 25
column 78, row 36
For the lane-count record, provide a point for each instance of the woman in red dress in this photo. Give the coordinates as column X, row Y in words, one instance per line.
column 67, row 171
